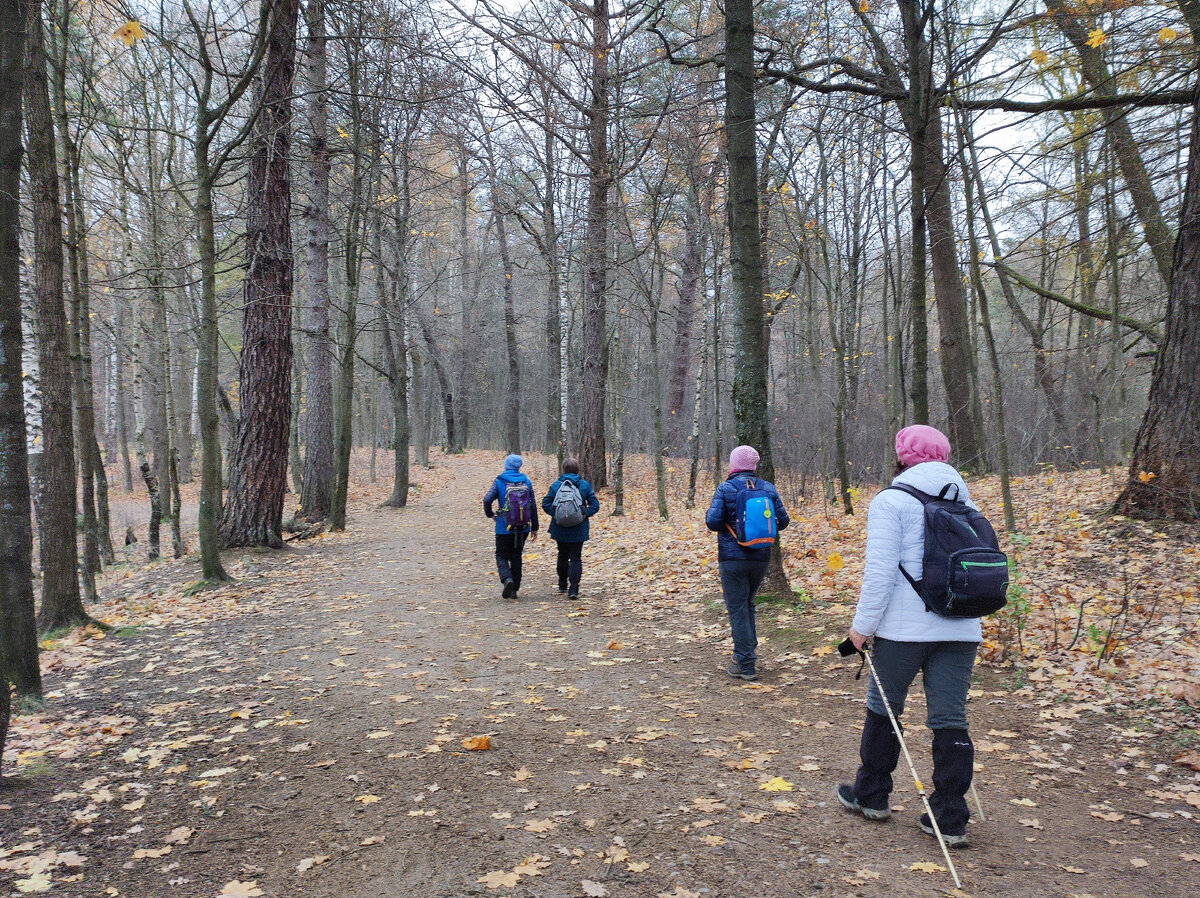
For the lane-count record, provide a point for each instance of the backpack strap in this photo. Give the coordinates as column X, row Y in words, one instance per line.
column 923, row 498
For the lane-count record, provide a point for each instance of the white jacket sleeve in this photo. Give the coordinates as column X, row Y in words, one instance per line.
column 881, row 566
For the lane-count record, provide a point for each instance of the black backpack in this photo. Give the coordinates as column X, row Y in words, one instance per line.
column 964, row 573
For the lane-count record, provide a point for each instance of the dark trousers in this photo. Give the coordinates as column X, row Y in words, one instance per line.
column 570, row 566
column 508, row 556
column 946, row 667
column 739, row 582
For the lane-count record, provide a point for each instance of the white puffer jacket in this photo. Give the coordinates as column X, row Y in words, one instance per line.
column 887, row 605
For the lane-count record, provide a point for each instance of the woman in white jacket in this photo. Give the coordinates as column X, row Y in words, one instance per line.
column 907, row 639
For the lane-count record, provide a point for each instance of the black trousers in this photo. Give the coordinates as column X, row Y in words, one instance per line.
column 570, row 566
column 509, row 547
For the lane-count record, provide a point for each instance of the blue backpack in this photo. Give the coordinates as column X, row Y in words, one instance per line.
column 964, row 573
column 754, row 517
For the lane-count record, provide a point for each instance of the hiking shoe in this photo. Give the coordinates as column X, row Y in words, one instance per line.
column 735, row 671
column 845, row 794
column 509, row 588
column 572, row 596
column 953, row 840
column 562, row 588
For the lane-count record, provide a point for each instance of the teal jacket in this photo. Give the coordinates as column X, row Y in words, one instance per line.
column 580, row 532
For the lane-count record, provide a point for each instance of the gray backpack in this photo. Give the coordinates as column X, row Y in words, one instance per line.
column 568, row 505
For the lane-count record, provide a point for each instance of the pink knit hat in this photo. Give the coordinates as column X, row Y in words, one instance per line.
column 743, row 458
column 920, row 442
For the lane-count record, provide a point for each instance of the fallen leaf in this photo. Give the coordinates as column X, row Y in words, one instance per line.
column 179, row 835
column 500, row 879
column 309, row 862
column 776, row 784
column 926, row 867
column 367, row 799
column 477, row 743
column 38, row 882
column 1031, row 822
column 593, row 889
column 1111, row 817
column 1138, row 862
column 1023, row 802
column 239, row 889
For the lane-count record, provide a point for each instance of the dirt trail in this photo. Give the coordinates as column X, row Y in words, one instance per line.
column 327, row 721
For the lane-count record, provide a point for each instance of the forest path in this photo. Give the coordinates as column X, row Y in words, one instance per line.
column 321, row 728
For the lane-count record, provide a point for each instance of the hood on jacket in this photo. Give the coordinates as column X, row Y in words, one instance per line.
column 930, row 476
column 511, row 477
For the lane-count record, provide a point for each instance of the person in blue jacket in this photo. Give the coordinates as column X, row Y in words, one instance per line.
column 570, row 540
column 510, row 543
column 742, row 568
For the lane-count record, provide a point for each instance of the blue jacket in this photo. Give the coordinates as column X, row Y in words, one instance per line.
column 722, row 512
column 496, row 494
column 580, row 532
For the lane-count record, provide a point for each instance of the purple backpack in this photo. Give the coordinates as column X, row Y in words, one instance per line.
column 517, row 510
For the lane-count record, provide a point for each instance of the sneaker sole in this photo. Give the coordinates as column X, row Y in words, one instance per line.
column 749, row 678
column 951, row 841
column 870, row 813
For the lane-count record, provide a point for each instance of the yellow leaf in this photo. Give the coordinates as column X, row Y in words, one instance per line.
column 835, row 562
column 1146, row 476
column 927, row 867
column 367, row 799
column 1096, row 37
column 239, row 889
column 1168, row 34
column 1040, row 56
column 776, row 784
column 823, row 650
column 129, row 32
column 477, row 743
column 863, row 5
column 500, row 879
column 38, row 882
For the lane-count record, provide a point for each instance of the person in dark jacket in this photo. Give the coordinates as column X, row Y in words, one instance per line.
column 742, row 568
column 570, row 540
column 510, row 543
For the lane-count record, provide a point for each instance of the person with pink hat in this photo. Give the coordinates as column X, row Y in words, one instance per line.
column 906, row 638
column 746, row 514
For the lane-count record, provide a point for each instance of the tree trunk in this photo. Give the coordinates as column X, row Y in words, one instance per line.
column 751, row 414
column 18, row 627
column 512, row 408
column 61, row 603
column 689, row 280
column 1164, row 473
column 592, row 453
column 258, row 473
column 317, row 482
column 1125, row 145
column 207, row 363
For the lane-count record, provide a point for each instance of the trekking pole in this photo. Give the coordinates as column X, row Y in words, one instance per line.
column 912, row 767
column 978, row 803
